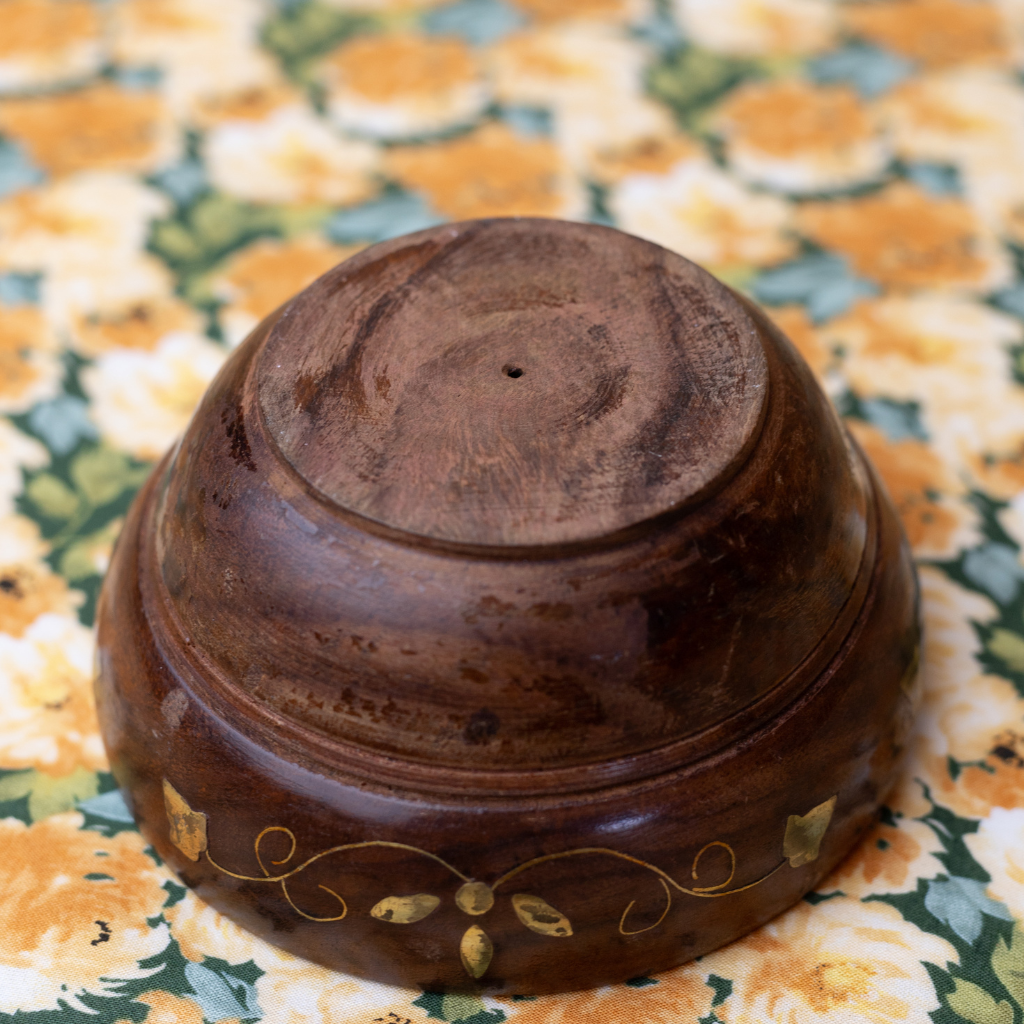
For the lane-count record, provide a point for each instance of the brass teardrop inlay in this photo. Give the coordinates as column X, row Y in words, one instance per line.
column 405, row 909
column 540, row 917
column 476, row 950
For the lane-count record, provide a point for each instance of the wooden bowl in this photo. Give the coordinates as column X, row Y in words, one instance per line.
column 514, row 615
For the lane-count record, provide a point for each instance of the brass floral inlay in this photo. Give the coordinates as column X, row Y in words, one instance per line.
column 405, row 909
column 804, row 834
column 188, row 827
column 800, row 845
column 476, row 950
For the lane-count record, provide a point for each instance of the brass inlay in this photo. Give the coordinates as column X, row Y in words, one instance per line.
column 800, row 845
column 540, row 917
column 476, row 950
column 804, row 834
column 187, row 827
column 474, row 898
column 405, row 909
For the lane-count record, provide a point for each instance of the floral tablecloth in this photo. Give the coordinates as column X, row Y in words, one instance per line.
column 171, row 170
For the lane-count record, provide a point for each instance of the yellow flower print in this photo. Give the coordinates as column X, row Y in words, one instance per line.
column 971, row 117
column 384, row 6
column 843, row 959
column 204, row 50
column 679, row 995
column 49, row 721
column 258, row 279
column 29, row 589
column 291, row 989
column 1012, row 12
column 947, row 354
column 490, row 173
column 754, row 28
column 994, row 779
column 706, row 215
column 796, row 137
column 937, row 33
column 567, row 63
column 964, row 715
column 102, row 127
column 30, row 368
column 290, row 157
column 21, row 541
column 47, row 42
column 165, row 1008
column 52, row 915
column 86, row 233
column 17, row 451
column 903, row 238
column 592, row 79
column 927, row 495
column 198, row 929
column 646, row 154
column 889, row 859
column 998, row 846
column 139, row 325
column 252, row 103
column 1000, row 476
column 141, row 401
column 402, row 85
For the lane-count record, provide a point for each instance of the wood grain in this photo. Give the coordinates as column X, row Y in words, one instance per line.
column 607, row 739
column 514, row 383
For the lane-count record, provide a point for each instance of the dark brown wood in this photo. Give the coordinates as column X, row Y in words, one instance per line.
column 522, row 382
column 469, row 662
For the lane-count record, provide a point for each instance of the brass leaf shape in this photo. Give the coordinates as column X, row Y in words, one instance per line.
column 405, row 909
column 187, row 827
column 540, row 917
column 474, row 898
column 805, row 832
column 476, row 951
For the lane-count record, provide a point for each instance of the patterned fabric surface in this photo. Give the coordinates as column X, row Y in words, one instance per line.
column 171, row 170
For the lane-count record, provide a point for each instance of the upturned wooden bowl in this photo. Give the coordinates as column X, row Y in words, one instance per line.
column 514, row 615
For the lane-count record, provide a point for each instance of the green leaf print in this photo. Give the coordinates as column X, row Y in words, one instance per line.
column 52, row 497
column 102, row 474
column 33, row 795
column 301, row 32
column 960, row 903
column 1007, row 646
column 1008, row 964
column 973, row 1003
column 689, row 79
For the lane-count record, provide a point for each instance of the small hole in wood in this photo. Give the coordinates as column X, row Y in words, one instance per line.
column 513, row 371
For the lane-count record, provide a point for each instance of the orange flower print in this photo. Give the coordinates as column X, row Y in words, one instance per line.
column 49, row 42
column 63, row 888
column 994, row 779
column 904, row 238
column 101, row 127
column 841, row 960
column 889, row 859
column 258, row 279
column 401, row 85
column 797, row 137
column 937, row 33
column 490, row 173
column 679, row 995
column 794, row 322
column 923, row 490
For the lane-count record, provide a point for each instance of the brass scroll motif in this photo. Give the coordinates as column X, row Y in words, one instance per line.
column 800, row 846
